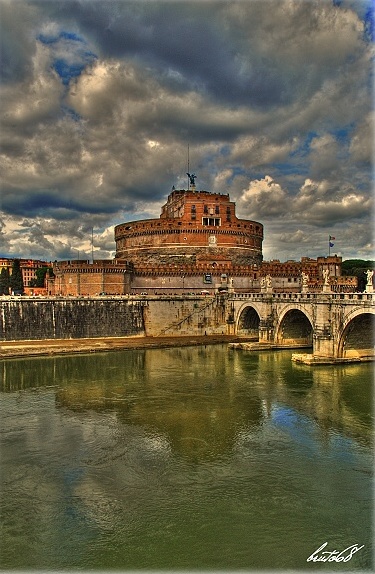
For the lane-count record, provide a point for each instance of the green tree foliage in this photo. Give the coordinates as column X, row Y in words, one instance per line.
column 4, row 281
column 41, row 273
column 16, row 279
column 357, row 268
column 40, row 276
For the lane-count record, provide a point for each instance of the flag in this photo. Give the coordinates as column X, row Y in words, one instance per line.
column 330, row 237
column 331, row 244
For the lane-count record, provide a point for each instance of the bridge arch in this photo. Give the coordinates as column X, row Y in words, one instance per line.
column 357, row 337
column 248, row 320
column 294, row 326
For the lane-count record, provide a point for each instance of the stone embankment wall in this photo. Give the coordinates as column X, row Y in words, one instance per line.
column 28, row 319
column 182, row 316
column 76, row 318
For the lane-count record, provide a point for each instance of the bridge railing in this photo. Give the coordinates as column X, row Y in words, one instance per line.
column 304, row 296
column 282, row 296
column 355, row 296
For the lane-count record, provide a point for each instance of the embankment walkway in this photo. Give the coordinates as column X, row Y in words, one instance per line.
column 48, row 347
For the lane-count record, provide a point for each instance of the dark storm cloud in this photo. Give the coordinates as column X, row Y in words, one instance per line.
column 49, row 203
column 16, row 47
column 185, row 38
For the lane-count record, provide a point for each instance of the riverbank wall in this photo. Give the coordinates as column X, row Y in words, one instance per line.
column 34, row 319
column 27, row 318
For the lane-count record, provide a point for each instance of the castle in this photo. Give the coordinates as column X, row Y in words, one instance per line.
column 197, row 245
column 194, row 227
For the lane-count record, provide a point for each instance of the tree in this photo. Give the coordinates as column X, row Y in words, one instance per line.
column 16, row 279
column 40, row 276
column 357, row 268
column 4, row 281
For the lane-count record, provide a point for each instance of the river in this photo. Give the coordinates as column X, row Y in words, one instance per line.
column 196, row 458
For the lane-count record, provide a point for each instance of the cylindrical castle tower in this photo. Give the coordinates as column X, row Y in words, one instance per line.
column 193, row 225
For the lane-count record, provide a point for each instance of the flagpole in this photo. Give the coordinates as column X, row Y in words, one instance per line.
column 329, row 246
column 188, row 163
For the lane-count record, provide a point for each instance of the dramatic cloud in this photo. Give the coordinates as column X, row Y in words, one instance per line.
column 100, row 100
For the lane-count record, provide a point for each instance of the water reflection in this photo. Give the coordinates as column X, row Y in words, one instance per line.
column 200, row 399
column 192, row 458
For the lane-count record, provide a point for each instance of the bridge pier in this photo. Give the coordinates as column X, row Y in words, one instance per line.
column 324, row 345
column 266, row 332
column 323, row 337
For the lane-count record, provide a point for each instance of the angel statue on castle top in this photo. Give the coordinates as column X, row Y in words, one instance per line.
column 192, row 178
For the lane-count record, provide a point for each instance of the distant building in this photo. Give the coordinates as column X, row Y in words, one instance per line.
column 28, row 268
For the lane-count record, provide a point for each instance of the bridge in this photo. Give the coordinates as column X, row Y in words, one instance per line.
column 338, row 326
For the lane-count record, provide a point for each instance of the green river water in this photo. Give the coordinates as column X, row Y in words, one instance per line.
column 195, row 458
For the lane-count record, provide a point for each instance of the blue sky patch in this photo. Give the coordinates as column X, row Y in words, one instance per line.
column 72, row 114
column 70, row 56
column 71, row 36
column 369, row 21
column 67, row 71
column 342, row 134
column 52, row 39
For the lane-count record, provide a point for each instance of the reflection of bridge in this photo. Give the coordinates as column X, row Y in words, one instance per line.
column 337, row 326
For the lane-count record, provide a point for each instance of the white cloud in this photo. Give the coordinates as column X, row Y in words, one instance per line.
column 263, row 198
column 362, row 143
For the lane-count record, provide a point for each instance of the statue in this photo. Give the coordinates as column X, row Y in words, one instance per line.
column 305, row 279
column 369, row 275
column 269, row 281
column 192, row 177
column 325, row 276
column 262, row 282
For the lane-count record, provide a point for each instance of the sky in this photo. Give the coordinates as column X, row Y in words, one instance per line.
column 102, row 103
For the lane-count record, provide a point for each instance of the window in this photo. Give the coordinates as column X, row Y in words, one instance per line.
column 211, row 221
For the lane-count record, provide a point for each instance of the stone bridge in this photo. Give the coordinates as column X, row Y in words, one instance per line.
column 335, row 325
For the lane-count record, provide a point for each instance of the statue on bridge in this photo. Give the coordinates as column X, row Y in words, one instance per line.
column 305, row 282
column 369, row 285
column 266, row 283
